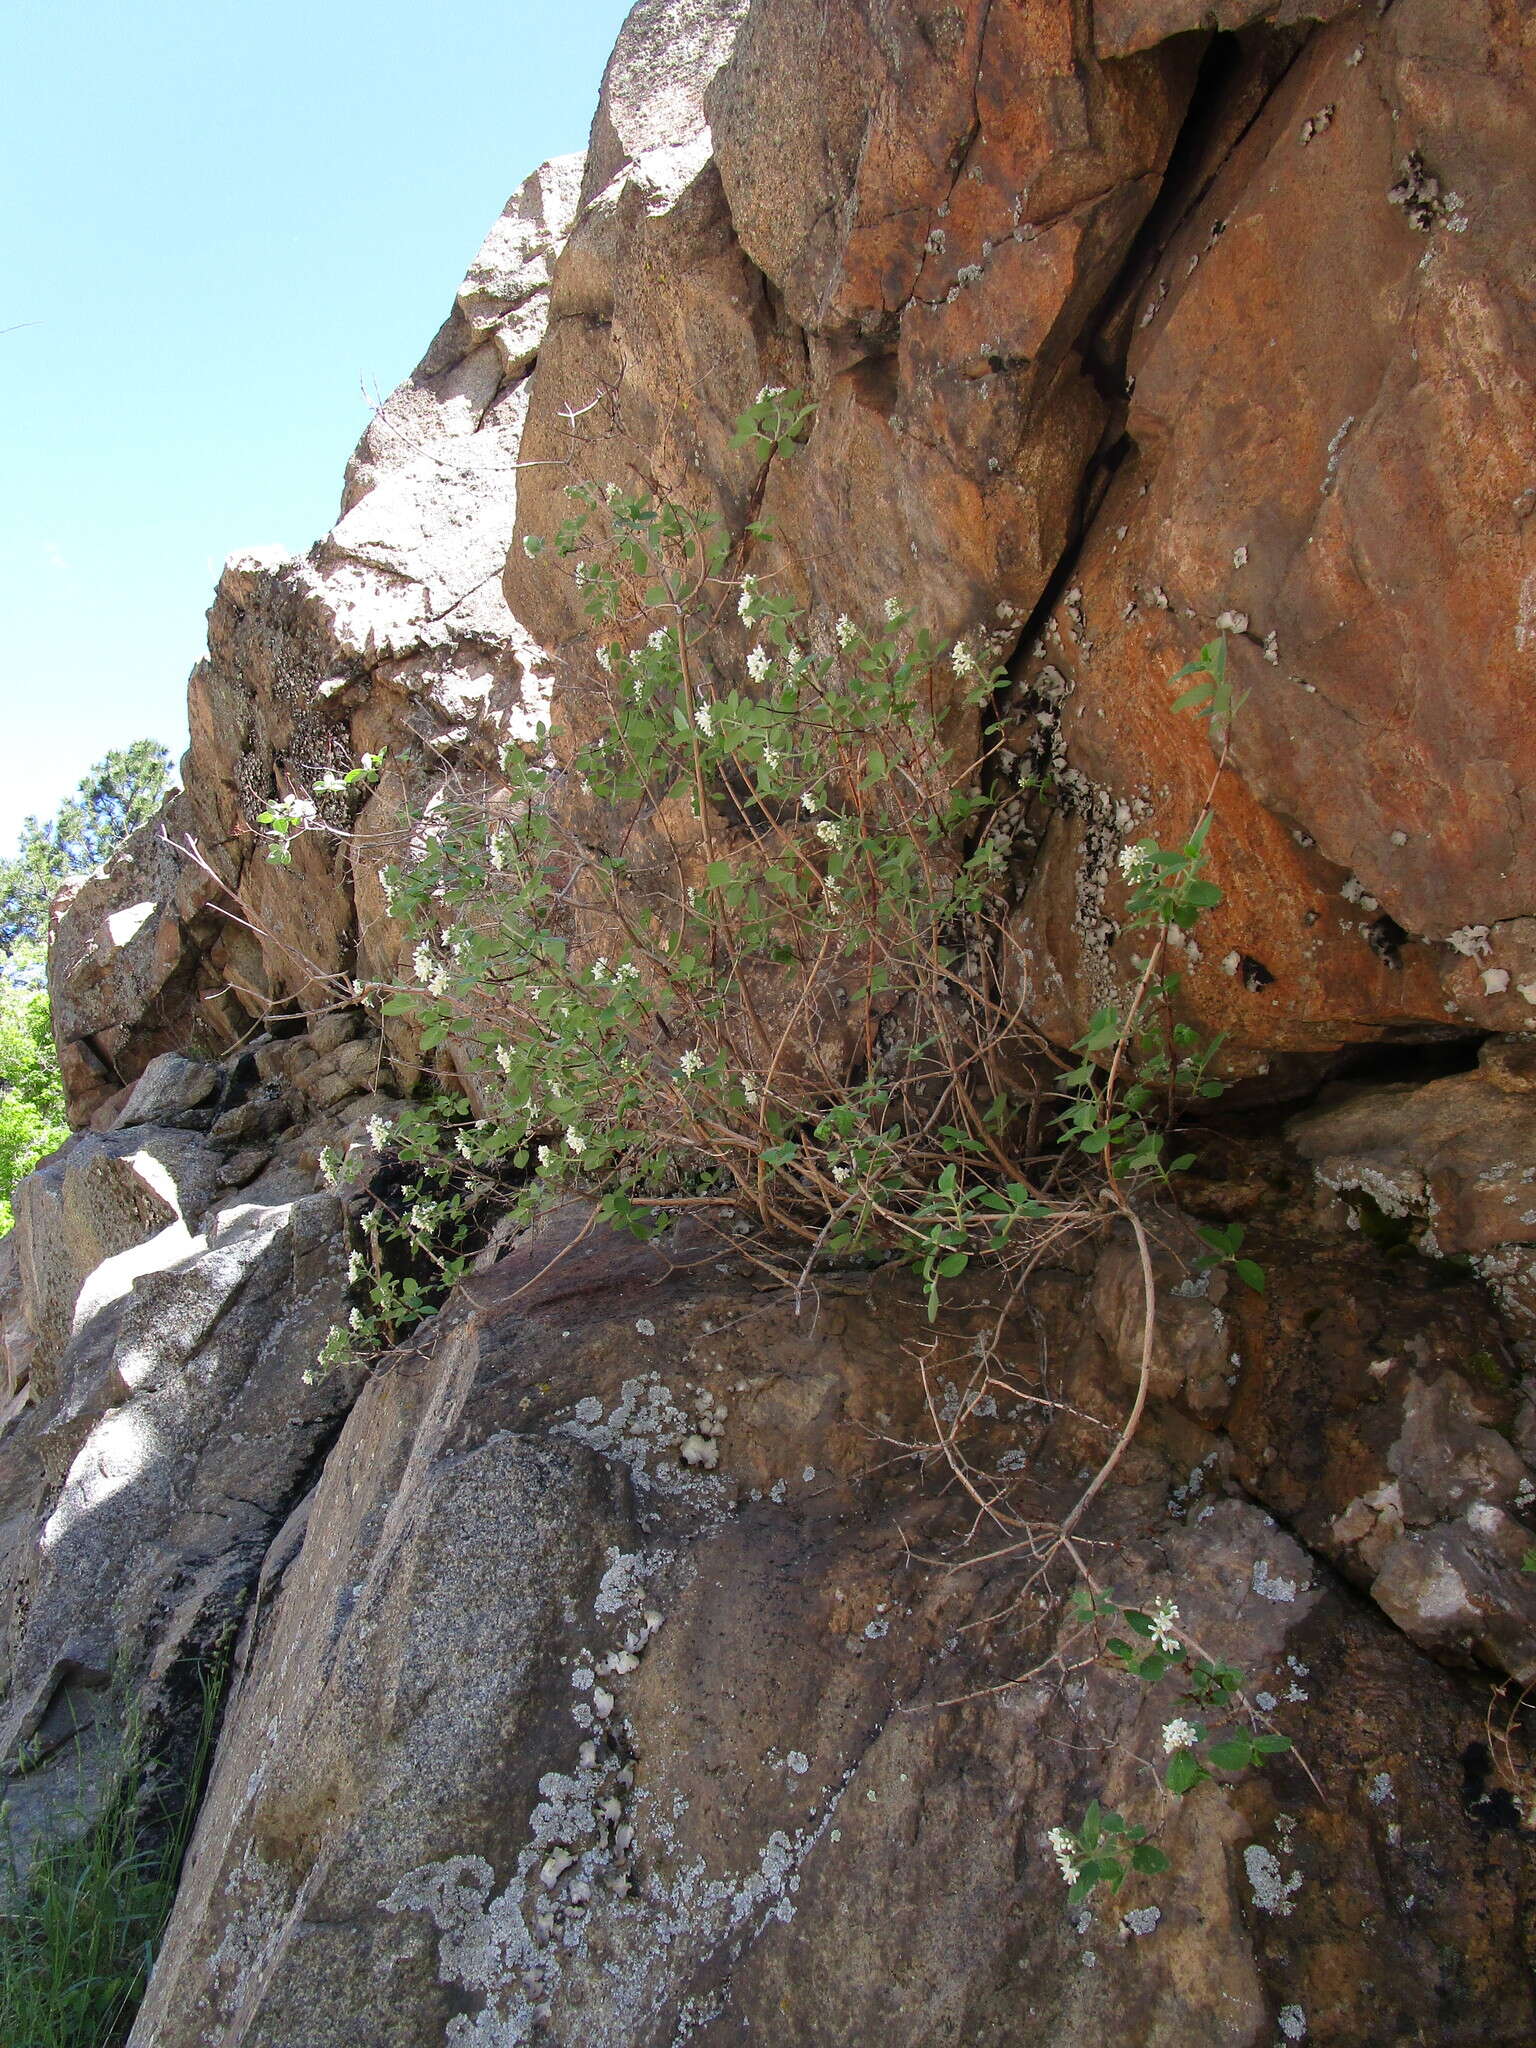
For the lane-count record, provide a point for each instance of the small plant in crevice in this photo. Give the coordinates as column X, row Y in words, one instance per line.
column 1105, row 1848
column 83, row 1909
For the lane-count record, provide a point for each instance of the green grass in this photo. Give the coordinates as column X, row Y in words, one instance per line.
column 81, row 1922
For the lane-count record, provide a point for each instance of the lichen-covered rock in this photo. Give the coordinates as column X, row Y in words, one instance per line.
column 1458, row 1155
column 601, row 1743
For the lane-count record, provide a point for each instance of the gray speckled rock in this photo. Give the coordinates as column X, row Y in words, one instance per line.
column 547, row 1736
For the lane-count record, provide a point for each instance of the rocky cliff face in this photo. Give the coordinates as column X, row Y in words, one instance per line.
column 1125, row 324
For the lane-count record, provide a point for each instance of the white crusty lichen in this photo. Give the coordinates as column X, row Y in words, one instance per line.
column 1273, row 1891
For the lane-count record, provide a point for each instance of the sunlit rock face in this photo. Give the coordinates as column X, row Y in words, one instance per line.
column 620, row 1665
column 391, row 636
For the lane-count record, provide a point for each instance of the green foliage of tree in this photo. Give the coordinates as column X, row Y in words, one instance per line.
column 31, row 1096
column 120, row 792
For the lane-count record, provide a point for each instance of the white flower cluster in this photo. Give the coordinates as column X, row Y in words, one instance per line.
column 378, row 1133
column 759, row 661
column 690, row 1064
column 962, row 661
column 1179, row 1734
column 1064, row 1849
column 704, row 719
column 1164, row 1614
column 847, row 632
column 504, row 1059
column 746, row 603
column 575, row 1140
column 750, row 1091
column 829, row 832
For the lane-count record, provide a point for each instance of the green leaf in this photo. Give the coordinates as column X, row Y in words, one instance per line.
column 1234, row 1754
column 1271, row 1745
column 1250, row 1274
column 1183, row 1773
column 1148, row 1860
column 1196, row 695
column 952, row 1267
column 1101, row 1033
column 1089, row 1833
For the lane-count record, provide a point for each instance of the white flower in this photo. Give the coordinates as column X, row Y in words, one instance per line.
column 423, row 962
column 575, row 1140
column 690, row 1063
column 847, row 631
column 627, row 971
column 1064, row 1849
column 840, row 1174
column 355, row 1320
column 807, row 801
column 604, row 661
column 1134, row 864
column 962, row 661
column 892, row 610
column 600, row 968
column 759, row 661
column 497, row 849
column 1164, row 1615
column 1179, row 1734
column 357, row 1269
column 770, row 391
column 504, row 1059
column 704, row 719
column 746, row 602
column 771, row 759
column 438, row 985
column 829, row 832
column 544, row 1155
column 662, row 637
column 750, row 1092
column 378, row 1133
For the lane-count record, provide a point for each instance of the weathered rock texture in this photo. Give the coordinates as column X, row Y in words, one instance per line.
column 622, row 1672
column 713, row 1755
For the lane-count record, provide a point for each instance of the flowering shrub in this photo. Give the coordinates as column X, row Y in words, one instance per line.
column 735, row 945
column 743, row 953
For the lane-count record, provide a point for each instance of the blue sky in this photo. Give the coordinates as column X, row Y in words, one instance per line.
column 222, row 225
